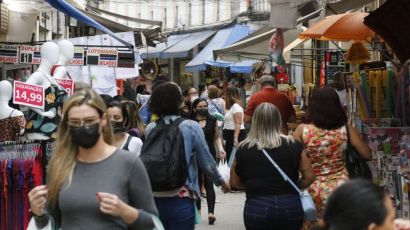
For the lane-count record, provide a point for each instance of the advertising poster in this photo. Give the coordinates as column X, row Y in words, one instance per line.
column 9, row 54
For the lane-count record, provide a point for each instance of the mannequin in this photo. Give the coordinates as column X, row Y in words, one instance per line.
column 66, row 49
column 12, row 121
column 42, row 123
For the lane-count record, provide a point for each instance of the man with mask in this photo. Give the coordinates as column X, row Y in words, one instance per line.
column 190, row 94
column 119, row 119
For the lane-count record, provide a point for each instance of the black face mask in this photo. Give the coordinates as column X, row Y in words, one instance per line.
column 202, row 112
column 184, row 114
column 118, row 127
column 85, row 137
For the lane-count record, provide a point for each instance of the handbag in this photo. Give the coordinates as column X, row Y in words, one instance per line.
column 355, row 164
column 308, row 205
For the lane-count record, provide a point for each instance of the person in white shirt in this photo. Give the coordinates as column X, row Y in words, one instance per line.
column 122, row 140
column 234, row 128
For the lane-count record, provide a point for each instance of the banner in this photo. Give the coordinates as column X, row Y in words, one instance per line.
column 67, row 84
column 28, row 94
column 102, row 57
column 9, row 54
column 78, row 56
column 30, row 55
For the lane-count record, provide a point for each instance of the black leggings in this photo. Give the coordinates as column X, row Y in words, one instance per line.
column 210, row 192
column 228, row 137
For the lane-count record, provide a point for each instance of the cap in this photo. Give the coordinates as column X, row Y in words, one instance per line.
column 267, row 79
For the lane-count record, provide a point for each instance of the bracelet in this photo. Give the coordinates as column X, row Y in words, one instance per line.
column 35, row 216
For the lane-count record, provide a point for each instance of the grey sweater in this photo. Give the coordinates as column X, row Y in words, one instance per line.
column 122, row 174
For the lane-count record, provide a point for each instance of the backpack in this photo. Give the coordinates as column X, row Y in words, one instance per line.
column 163, row 154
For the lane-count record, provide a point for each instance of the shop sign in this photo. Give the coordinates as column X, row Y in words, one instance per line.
column 67, row 84
column 102, row 57
column 336, row 58
column 30, row 55
column 78, row 56
column 28, row 94
column 9, row 54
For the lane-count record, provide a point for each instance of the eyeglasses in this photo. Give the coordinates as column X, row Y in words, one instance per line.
column 79, row 123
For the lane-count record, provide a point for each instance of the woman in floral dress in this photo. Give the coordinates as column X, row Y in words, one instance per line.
column 324, row 137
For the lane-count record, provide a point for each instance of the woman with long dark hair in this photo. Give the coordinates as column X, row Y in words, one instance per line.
column 210, row 127
column 271, row 202
column 234, row 128
column 324, row 137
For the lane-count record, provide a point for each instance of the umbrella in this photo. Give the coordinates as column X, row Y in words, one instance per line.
column 340, row 27
column 391, row 22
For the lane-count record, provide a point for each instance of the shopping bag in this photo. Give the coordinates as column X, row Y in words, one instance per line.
column 224, row 170
column 157, row 223
column 232, row 156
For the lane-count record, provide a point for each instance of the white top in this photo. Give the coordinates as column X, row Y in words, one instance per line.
column 342, row 96
column 134, row 146
column 229, row 122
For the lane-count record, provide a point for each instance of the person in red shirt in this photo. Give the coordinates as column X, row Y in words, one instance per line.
column 269, row 94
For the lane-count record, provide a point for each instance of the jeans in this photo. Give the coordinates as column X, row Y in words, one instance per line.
column 273, row 212
column 176, row 213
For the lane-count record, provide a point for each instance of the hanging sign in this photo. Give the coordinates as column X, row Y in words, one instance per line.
column 28, row 94
column 9, row 54
column 102, row 57
column 78, row 56
column 30, row 55
column 67, row 84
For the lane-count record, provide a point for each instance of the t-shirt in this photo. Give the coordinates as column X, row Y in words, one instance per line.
column 229, row 119
column 260, row 177
column 278, row 99
column 134, row 145
column 122, row 174
column 342, row 96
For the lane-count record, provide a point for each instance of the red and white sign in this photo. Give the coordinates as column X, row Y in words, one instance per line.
column 9, row 54
column 30, row 54
column 102, row 57
column 78, row 58
column 28, row 94
column 67, row 84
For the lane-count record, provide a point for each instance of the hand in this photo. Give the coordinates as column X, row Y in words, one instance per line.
column 235, row 142
column 221, row 154
column 401, row 224
column 226, row 187
column 110, row 204
column 37, row 199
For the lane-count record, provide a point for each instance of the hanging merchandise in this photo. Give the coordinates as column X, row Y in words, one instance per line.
column 357, row 54
column 22, row 165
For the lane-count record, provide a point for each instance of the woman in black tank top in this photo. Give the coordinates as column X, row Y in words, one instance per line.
column 212, row 135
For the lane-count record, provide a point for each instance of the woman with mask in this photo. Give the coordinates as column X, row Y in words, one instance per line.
column 91, row 184
column 119, row 117
column 210, row 127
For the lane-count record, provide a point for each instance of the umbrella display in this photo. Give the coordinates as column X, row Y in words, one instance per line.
column 391, row 22
column 340, row 27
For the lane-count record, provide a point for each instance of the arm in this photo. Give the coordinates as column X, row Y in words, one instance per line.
column 38, row 198
column 218, row 142
column 298, row 134
column 142, row 203
column 305, row 169
column 359, row 145
column 237, row 117
column 235, row 181
column 249, row 111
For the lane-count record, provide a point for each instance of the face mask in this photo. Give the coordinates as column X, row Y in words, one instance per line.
column 202, row 111
column 117, row 127
column 184, row 114
column 85, row 137
column 193, row 98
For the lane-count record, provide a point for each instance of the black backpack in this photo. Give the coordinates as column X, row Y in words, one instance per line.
column 163, row 154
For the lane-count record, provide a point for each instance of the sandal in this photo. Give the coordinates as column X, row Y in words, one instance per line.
column 211, row 219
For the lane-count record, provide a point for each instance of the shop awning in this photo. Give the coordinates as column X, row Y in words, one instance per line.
column 288, row 49
column 72, row 11
column 253, row 47
column 155, row 52
column 181, row 49
column 223, row 37
column 243, row 67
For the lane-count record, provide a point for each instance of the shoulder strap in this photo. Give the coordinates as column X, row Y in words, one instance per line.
column 285, row 177
column 11, row 113
column 127, row 143
column 349, row 144
column 178, row 121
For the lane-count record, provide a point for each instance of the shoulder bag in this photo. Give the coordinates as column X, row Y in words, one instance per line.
column 308, row 205
column 355, row 164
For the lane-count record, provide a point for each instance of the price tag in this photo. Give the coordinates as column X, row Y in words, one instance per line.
column 28, row 94
column 67, row 84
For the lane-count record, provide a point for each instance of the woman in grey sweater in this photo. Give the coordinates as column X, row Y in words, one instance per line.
column 91, row 184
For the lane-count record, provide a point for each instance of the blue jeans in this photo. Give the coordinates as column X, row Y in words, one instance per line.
column 273, row 212
column 176, row 213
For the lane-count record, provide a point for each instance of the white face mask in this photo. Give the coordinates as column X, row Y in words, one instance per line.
column 193, row 98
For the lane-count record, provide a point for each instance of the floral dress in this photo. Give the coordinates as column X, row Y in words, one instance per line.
column 325, row 150
column 54, row 99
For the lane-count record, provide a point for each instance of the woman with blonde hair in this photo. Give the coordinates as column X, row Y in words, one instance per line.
column 271, row 202
column 92, row 184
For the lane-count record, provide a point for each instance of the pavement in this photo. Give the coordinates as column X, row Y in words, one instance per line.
column 228, row 212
